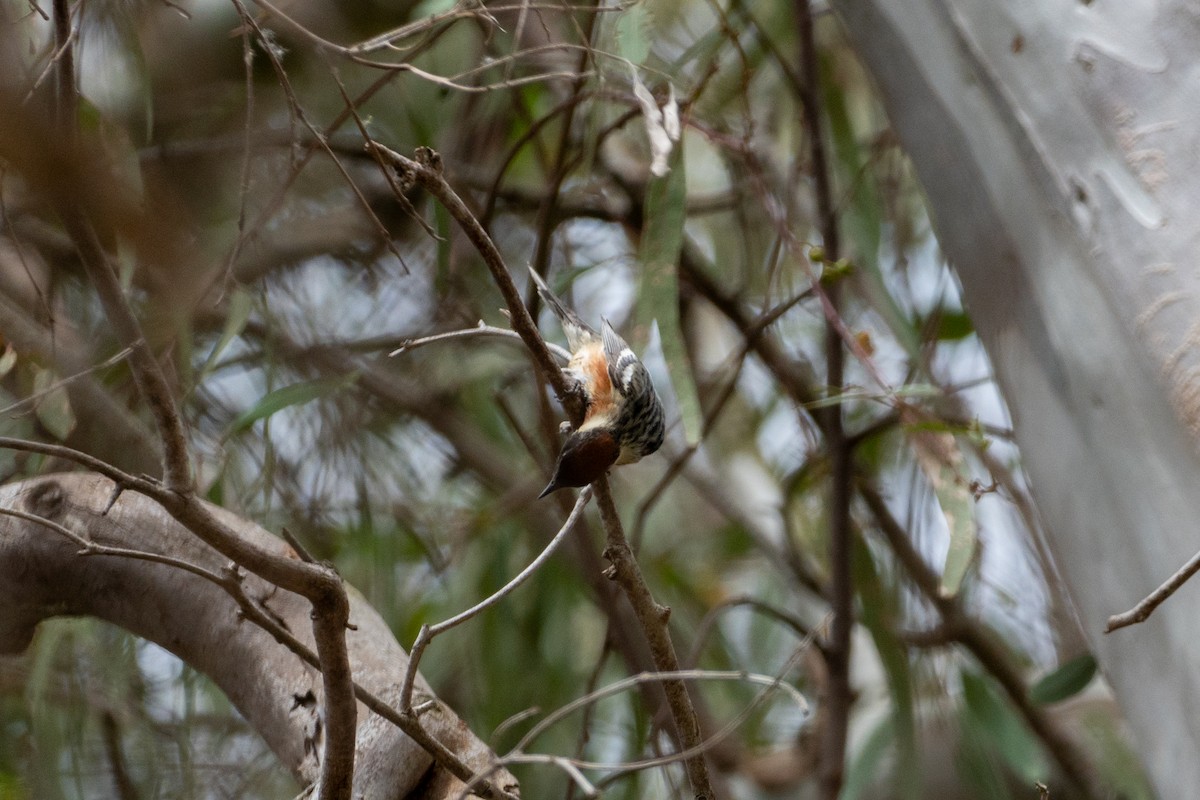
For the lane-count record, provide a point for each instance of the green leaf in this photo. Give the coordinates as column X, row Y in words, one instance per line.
column 1066, row 681
column 954, row 325
column 429, row 8
column 868, row 760
column 976, row 763
column 940, row 459
column 633, row 41
column 878, row 608
column 240, row 303
column 8, row 360
column 295, row 395
column 994, row 717
column 53, row 405
column 864, row 217
column 658, row 297
column 1118, row 768
column 957, row 507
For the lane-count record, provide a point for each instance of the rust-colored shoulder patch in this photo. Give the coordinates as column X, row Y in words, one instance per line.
column 594, row 369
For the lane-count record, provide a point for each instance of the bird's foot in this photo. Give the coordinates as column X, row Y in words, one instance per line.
column 575, row 387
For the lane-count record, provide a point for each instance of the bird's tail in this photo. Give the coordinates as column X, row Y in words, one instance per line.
column 577, row 331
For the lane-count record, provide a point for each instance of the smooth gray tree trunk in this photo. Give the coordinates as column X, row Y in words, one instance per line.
column 1058, row 144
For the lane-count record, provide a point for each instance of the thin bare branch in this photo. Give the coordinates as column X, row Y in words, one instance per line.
column 428, row 632
column 617, row 770
column 480, row 330
column 33, row 398
column 1142, row 611
column 617, row 687
column 389, row 38
column 761, row 606
column 838, row 694
column 653, row 617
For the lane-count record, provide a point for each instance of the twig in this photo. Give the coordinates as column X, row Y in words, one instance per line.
column 244, row 181
column 544, row 226
column 617, row 770
column 841, row 585
column 710, row 417
column 653, row 617
column 398, row 192
column 321, row 141
column 982, row 644
column 741, row 676
column 231, row 582
column 589, row 713
column 761, row 606
column 297, row 545
column 482, row 329
column 567, row 765
column 465, row 11
column 41, row 12
column 89, row 548
column 62, row 47
column 125, row 788
column 64, row 381
column 1142, row 611
column 426, row 170
column 428, row 632
column 352, row 53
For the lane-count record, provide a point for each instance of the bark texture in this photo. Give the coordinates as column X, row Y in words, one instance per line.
column 1056, row 142
column 43, row 574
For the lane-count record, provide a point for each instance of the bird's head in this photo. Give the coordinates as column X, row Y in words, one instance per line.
column 585, row 456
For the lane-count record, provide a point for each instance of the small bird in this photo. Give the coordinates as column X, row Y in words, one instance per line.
column 623, row 420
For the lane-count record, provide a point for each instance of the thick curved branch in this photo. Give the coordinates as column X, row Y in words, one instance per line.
column 43, row 574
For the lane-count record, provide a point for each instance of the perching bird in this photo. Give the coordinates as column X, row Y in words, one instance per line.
column 623, row 420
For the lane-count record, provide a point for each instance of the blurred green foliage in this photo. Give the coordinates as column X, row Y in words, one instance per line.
column 269, row 280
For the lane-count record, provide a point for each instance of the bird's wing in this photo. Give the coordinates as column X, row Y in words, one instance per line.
column 640, row 419
column 628, row 374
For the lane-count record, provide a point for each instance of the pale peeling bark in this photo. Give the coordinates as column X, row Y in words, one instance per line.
column 42, row 575
column 1057, row 144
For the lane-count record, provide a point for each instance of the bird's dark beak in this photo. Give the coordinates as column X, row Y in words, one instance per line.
column 552, row 486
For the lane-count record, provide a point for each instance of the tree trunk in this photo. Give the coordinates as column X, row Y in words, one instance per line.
column 1057, row 144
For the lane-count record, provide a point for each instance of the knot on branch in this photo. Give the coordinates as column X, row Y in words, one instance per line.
column 46, row 500
column 429, row 158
